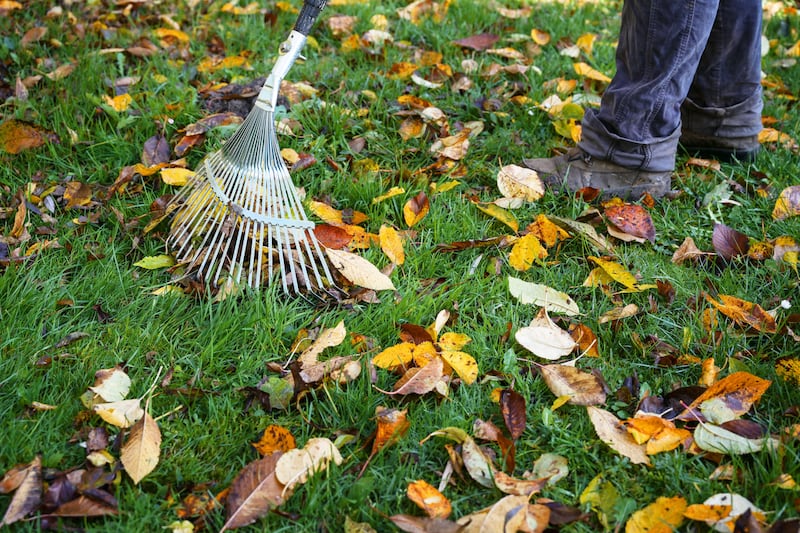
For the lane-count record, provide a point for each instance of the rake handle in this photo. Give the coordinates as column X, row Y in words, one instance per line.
column 308, row 15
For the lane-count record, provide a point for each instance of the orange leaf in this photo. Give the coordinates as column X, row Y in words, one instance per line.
column 633, row 220
column 585, row 339
column 547, row 232
column 16, row 136
column 430, row 500
column 744, row 313
column 416, row 208
column 728, row 398
column 275, row 438
column 392, row 425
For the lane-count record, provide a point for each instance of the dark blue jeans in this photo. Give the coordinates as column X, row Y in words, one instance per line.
column 691, row 65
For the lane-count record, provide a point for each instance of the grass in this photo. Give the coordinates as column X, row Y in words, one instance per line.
column 218, row 349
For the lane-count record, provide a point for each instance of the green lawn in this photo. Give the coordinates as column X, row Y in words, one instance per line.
column 203, row 356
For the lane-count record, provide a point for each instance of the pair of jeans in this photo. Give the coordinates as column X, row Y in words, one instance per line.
column 691, row 65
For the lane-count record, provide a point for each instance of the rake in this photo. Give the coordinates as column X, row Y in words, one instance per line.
column 240, row 217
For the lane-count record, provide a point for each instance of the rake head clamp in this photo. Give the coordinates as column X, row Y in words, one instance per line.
column 241, row 216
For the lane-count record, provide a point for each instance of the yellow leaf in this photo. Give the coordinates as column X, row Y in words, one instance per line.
column 392, row 244
column 617, row 272
column 503, row 215
column 463, row 364
column 391, row 193
column 424, row 353
column 416, row 209
column 176, row 176
column 787, row 204
column 444, row 187
column 664, row 515
column 561, row 400
column 586, row 42
column 119, row 103
column 155, row 261
column 789, row 370
column 171, row 34
column 540, row 37
column 525, row 251
column 397, row 356
column 583, row 69
column 453, row 341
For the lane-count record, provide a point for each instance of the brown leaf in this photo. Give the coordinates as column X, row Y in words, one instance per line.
column 514, row 410
column 414, row 333
column 331, row 236
column 632, row 219
column 744, row 313
column 13, row 478
column 585, row 338
column 687, row 250
column 479, row 42
column 156, row 151
column 582, row 388
column 84, row 507
column 77, row 194
column 28, row 495
column 423, row 524
column 419, row 380
column 729, row 243
column 253, row 493
column 141, row 451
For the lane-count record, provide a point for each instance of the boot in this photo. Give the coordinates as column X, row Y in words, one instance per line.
column 576, row 170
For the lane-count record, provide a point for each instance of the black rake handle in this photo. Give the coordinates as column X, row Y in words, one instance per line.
column 308, row 15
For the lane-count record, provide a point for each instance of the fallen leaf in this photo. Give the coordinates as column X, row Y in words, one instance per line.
column 515, row 181
column 618, row 313
column 720, row 511
column 543, row 296
column 141, row 451
column 392, row 425
column 111, row 384
column 503, row 215
column 602, row 496
column 585, row 339
column 687, row 251
column 617, row 272
column 122, row 413
column 419, row 380
column 729, row 243
column 744, row 313
column 176, row 176
column 254, row 492
column 296, row 466
column 84, row 507
column 359, row 271
column 462, row 363
column 275, row 439
column 427, row 498
column 415, row 209
column 584, row 230
column 17, row 136
column 716, row 439
column 392, row 244
column 544, row 338
column 514, row 411
column 610, row 431
column 27, row 496
column 788, row 203
column 155, row 261
column 526, row 250
column 664, row 515
column 328, row 338
column 479, row 42
column 582, row 388
column 632, row 219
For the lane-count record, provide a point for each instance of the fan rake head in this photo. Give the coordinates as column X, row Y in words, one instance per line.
column 241, row 217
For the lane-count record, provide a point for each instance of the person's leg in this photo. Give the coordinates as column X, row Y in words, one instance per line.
column 722, row 114
column 632, row 139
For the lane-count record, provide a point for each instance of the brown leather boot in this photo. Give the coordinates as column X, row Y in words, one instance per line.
column 577, row 170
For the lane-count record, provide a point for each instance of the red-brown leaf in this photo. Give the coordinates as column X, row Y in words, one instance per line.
column 632, row 219
column 253, row 493
column 482, row 41
column 512, row 405
column 729, row 243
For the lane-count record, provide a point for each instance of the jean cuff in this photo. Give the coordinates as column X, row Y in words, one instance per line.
column 740, row 120
column 651, row 155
